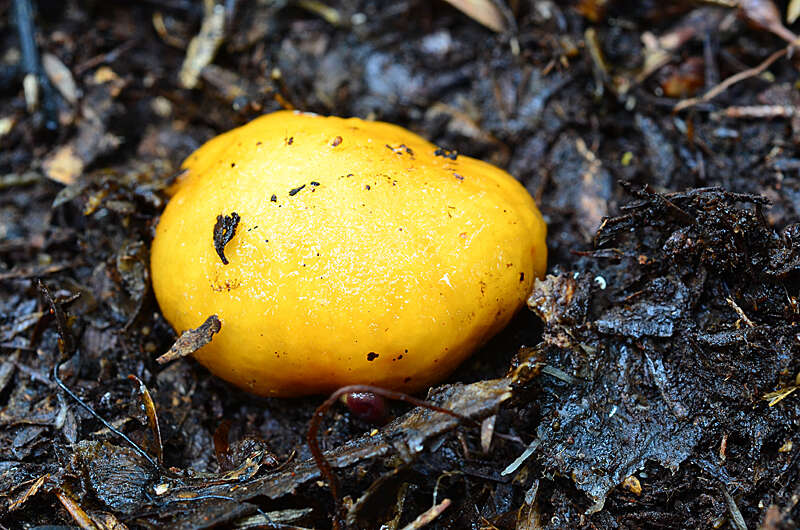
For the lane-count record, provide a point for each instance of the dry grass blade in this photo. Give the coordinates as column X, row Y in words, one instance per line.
column 30, row 492
column 779, row 395
column 513, row 466
column 483, row 11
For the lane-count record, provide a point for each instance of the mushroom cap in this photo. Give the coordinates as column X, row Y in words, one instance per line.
column 363, row 254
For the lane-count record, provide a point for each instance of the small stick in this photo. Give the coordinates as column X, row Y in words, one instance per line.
column 192, row 340
column 428, row 516
column 740, row 312
column 732, row 80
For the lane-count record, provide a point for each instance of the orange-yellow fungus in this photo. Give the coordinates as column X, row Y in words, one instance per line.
column 341, row 251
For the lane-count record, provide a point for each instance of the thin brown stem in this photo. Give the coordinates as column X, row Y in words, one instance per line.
column 732, row 80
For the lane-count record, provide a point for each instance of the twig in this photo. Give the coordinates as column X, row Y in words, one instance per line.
column 78, row 514
column 108, row 57
column 732, row 80
column 66, row 342
column 428, row 516
column 203, row 47
column 740, row 312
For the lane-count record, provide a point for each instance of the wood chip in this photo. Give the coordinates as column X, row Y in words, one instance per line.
column 192, row 340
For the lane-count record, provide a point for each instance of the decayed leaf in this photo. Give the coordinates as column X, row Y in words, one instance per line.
column 118, row 476
column 405, row 438
column 92, row 140
column 64, row 166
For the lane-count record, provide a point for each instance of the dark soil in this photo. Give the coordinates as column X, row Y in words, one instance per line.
column 653, row 381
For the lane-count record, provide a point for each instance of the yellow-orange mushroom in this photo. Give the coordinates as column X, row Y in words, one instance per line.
column 341, row 251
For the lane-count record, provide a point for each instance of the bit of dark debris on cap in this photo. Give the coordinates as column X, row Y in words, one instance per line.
column 296, row 190
column 224, row 230
column 446, row 153
column 400, row 148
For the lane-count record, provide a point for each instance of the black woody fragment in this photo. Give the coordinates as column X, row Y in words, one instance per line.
column 446, row 153
column 224, row 230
